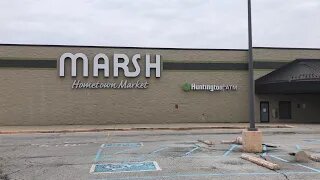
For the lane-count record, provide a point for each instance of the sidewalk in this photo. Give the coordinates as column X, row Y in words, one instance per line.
column 132, row 127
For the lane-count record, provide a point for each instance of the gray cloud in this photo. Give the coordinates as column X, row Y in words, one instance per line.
column 165, row 23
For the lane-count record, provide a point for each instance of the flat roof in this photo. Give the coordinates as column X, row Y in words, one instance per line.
column 161, row 48
column 122, row 47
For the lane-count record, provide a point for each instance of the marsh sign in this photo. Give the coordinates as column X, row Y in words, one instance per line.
column 119, row 62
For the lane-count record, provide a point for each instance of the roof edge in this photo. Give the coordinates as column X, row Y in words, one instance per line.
column 286, row 48
column 122, row 47
column 161, row 48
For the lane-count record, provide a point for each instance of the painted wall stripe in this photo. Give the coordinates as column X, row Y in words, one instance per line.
column 32, row 63
column 29, row 63
column 220, row 65
column 204, row 66
column 268, row 65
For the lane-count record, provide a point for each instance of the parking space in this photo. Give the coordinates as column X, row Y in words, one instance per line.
column 219, row 160
column 150, row 155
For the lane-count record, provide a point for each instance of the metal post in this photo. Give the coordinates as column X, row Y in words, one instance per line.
column 250, row 68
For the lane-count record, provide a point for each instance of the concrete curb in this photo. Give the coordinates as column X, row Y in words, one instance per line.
column 138, row 129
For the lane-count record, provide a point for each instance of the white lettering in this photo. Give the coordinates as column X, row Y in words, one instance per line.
column 135, row 59
column 123, row 65
column 97, row 66
column 156, row 65
column 105, row 66
column 74, row 58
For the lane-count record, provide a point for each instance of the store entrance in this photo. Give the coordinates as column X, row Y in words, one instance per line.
column 264, row 111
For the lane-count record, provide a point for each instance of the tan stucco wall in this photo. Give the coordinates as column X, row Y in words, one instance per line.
column 35, row 96
column 40, row 97
column 286, row 55
column 45, row 52
column 281, row 55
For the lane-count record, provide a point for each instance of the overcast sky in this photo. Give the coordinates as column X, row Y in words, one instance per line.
column 161, row 23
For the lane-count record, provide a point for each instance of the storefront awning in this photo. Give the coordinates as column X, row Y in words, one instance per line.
column 301, row 76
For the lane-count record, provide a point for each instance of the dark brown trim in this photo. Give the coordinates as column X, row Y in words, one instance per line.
column 220, row 66
column 297, row 87
column 29, row 63
column 204, row 66
column 268, row 65
column 166, row 65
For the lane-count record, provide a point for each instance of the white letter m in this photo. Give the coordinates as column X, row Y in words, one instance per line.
column 73, row 58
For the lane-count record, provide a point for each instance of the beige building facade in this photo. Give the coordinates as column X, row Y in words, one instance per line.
column 34, row 93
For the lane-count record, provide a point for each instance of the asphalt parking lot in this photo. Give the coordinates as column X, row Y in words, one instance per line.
column 164, row 154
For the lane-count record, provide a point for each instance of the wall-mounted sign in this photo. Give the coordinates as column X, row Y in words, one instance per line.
column 120, row 62
column 208, row 87
column 123, row 84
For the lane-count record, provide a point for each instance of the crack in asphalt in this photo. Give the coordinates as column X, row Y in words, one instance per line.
column 283, row 174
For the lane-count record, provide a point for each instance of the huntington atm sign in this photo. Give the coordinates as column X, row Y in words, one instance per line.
column 208, row 87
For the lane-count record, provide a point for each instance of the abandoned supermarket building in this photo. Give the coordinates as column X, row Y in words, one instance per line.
column 62, row 84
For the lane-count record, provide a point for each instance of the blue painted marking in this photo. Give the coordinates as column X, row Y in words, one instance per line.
column 153, row 152
column 279, row 158
column 158, row 150
column 230, row 149
column 298, row 147
column 203, row 156
column 264, row 150
column 98, row 155
column 313, row 169
column 195, row 148
column 125, row 167
column 122, row 145
column 119, row 152
column 208, row 175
